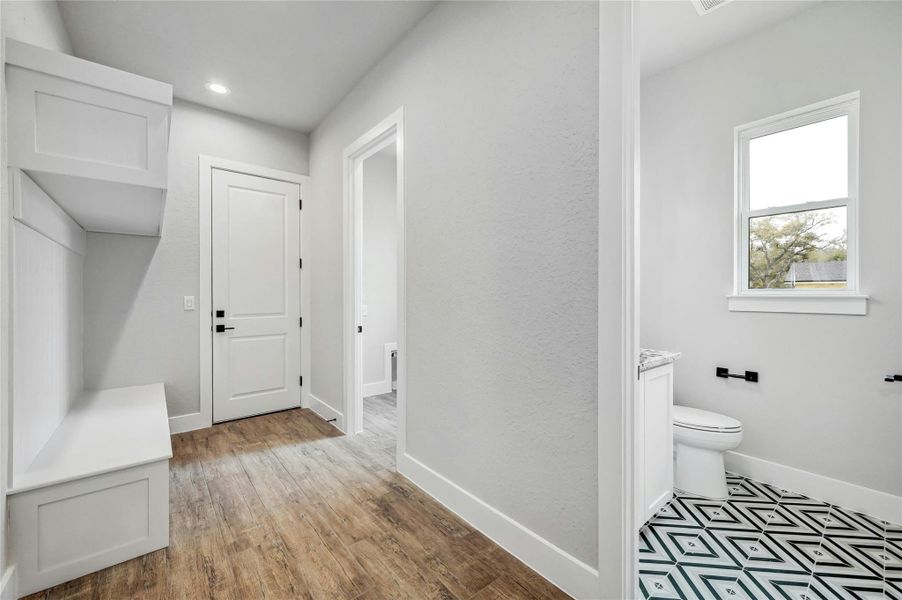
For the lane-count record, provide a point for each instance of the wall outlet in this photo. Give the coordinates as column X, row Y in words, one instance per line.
column 189, row 302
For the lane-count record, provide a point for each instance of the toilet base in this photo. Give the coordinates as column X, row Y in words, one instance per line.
column 700, row 471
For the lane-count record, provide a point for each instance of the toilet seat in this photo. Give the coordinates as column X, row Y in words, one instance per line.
column 702, row 420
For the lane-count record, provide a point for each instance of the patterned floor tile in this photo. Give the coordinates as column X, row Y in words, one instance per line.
column 871, row 555
column 714, row 514
column 661, row 584
column 664, row 544
column 714, row 582
column 711, row 548
column 786, row 586
column 892, row 589
column 751, row 491
column 815, row 518
column 771, row 516
column 804, row 549
column 764, row 553
column 767, row 543
column 866, row 523
column 853, row 588
column 892, row 531
column 675, row 514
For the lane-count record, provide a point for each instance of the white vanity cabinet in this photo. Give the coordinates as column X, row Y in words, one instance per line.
column 654, row 442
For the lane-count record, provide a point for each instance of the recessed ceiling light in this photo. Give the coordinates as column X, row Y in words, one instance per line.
column 218, row 88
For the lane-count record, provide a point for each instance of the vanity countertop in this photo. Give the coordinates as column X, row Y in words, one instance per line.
column 649, row 359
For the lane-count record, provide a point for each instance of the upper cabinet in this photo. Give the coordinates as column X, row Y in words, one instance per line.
column 94, row 138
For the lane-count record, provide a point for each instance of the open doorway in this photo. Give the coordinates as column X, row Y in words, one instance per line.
column 374, row 275
column 758, row 148
column 379, row 298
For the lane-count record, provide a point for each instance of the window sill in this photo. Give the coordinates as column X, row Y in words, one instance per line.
column 818, row 304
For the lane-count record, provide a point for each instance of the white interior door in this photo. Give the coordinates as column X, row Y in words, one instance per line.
column 256, row 295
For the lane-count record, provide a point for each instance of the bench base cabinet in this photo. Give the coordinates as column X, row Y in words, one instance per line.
column 64, row 531
column 654, row 442
column 97, row 493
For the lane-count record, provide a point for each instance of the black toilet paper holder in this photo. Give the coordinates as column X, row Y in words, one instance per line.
column 725, row 373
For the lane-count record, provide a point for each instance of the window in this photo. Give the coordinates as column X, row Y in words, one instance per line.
column 796, row 211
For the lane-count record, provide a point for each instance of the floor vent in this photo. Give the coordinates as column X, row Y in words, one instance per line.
column 705, row 6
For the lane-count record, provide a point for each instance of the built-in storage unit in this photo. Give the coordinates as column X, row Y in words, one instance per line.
column 98, row 492
column 94, row 138
column 89, row 477
column 654, row 441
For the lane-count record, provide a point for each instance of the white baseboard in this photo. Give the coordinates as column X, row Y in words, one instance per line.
column 376, row 388
column 563, row 570
column 874, row 503
column 8, row 589
column 189, row 422
column 327, row 413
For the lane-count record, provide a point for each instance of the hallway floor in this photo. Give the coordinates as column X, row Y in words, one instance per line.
column 767, row 543
column 284, row 506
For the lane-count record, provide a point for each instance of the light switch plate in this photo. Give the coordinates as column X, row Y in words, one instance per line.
column 189, row 302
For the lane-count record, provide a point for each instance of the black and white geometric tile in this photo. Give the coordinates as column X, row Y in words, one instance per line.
column 770, row 544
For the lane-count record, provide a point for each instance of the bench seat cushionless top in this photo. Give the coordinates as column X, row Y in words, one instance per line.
column 104, row 431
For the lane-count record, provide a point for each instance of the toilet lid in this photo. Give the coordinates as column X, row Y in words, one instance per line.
column 694, row 418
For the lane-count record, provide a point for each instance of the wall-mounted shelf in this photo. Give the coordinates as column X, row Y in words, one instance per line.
column 95, row 139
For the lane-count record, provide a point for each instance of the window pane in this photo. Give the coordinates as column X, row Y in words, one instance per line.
column 802, row 250
column 799, row 165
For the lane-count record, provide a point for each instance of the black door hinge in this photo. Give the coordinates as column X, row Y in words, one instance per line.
column 360, row 329
column 300, row 263
column 300, row 204
column 300, row 321
column 301, row 380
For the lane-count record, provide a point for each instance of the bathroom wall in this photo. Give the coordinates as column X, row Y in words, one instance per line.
column 380, row 268
column 136, row 331
column 821, row 405
column 501, row 117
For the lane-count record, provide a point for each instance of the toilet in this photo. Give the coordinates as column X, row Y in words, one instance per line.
column 700, row 438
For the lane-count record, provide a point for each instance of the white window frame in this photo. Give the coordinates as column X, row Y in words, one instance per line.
column 848, row 301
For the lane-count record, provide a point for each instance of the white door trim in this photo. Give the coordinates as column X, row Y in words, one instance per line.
column 631, row 286
column 619, row 113
column 206, row 164
column 390, row 130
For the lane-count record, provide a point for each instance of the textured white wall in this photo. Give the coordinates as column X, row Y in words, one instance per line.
column 821, row 405
column 37, row 22
column 501, row 120
column 380, row 263
column 135, row 329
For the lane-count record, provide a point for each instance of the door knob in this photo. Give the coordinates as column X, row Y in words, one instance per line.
column 222, row 328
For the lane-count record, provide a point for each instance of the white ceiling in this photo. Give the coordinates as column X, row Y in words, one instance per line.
column 287, row 63
column 672, row 32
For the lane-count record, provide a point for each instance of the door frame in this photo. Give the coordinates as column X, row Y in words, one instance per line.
column 389, row 130
column 206, row 165
column 618, row 566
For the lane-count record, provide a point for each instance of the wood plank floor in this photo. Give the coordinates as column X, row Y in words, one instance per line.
column 284, row 506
